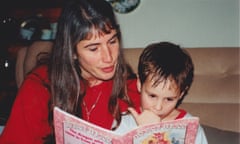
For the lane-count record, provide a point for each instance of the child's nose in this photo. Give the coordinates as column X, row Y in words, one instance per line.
column 158, row 105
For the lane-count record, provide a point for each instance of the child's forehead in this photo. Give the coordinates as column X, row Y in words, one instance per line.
column 156, row 80
column 166, row 85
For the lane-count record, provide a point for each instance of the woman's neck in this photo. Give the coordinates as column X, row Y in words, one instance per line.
column 91, row 80
column 95, row 82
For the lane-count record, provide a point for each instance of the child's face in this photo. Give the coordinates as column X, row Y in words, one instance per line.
column 160, row 99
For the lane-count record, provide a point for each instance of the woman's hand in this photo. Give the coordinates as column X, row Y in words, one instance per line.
column 145, row 117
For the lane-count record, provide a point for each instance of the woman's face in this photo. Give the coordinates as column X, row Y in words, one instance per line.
column 98, row 56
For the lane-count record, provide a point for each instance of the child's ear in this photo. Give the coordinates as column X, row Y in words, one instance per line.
column 183, row 93
column 138, row 84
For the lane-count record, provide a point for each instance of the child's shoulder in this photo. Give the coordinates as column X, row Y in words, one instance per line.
column 182, row 114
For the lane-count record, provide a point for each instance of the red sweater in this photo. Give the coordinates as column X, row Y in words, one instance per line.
column 28, row 122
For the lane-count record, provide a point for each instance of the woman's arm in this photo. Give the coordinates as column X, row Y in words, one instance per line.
column 28, row 121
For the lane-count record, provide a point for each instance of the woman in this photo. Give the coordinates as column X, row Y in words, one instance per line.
column 86, row 76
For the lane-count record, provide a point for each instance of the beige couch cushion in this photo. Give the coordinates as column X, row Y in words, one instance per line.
column 216, row 75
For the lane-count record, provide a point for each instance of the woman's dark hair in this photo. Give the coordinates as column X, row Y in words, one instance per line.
column 77, row 21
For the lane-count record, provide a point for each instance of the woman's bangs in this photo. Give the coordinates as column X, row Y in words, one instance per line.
column 98, row 29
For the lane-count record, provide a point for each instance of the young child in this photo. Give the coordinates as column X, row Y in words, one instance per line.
column 165, row 74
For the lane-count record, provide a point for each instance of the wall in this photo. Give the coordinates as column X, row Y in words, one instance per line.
column 191, row 23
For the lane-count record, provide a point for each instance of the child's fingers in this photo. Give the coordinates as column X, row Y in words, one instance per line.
column 133, row 112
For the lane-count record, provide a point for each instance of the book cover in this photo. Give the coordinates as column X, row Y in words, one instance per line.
column 70, row 129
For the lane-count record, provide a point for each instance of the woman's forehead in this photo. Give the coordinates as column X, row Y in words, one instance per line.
column 97, row 32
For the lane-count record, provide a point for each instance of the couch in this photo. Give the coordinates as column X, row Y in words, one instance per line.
column 215, row 93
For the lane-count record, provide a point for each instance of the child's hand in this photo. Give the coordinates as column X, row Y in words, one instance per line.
column 146, row 117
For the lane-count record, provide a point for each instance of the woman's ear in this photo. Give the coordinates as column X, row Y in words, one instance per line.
column 74, row 56
column 138, row 84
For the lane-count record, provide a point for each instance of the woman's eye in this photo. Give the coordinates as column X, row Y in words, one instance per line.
column 92, row 48
column 113, row 41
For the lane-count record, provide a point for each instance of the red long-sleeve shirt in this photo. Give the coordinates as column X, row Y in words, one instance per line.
column 28, row 121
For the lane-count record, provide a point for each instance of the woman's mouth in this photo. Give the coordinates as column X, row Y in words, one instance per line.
column 108, row 69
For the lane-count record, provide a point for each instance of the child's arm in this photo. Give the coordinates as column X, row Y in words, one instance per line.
column 145, row 117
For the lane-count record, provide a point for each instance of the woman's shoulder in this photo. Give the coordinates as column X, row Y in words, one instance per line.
column 41, row 69
column 40, row 73
column 35, row 87
column 133, row 93
column 132, row 84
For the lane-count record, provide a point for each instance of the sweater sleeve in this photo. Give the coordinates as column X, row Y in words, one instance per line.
column 134, row 94
column 28, row 121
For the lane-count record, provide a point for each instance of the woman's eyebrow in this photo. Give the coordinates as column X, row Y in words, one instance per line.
column 97, row 43
column 92, row 44
column 115, row 35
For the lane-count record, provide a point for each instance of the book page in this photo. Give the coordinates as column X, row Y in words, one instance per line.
column 182, row 131
column 70, row 129
column 85, row 134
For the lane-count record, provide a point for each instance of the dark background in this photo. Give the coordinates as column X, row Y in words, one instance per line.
column 11, row 14
column 11, row 5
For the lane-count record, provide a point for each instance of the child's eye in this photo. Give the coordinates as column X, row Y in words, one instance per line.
column 152, row 96
column 169, row 99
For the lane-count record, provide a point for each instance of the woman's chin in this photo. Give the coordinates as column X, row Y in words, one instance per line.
column 107, row 76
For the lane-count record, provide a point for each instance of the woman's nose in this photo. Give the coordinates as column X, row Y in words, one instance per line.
column 107, row 54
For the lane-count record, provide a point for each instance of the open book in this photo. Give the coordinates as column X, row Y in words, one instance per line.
column 70, row 129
